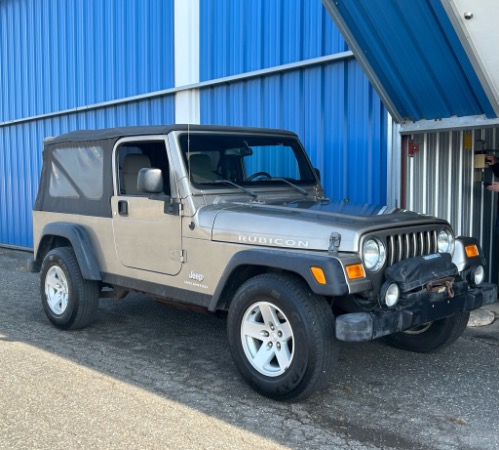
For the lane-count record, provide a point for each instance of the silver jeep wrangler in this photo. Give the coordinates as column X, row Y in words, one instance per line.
column 235, row 219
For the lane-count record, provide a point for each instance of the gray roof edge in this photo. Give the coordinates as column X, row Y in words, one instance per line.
column 147, row 130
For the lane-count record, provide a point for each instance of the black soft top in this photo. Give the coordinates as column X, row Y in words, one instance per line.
column 77, row 168
column 117, row 133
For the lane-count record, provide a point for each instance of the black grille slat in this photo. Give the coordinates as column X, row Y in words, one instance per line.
column 400, row 248
column 391, row 245
column 407, row 245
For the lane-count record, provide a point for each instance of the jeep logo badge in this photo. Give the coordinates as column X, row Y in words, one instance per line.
column 196, row 276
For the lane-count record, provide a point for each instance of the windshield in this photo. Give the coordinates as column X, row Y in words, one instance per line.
column 246, row 160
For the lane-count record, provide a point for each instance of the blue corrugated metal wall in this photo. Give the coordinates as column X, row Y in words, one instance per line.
column 332, row 106
column 240, row 36
column 62, row 54
column 341, row 123
column 58, row 55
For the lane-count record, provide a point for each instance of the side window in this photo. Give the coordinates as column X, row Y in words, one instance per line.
column 133, row 156
column 77, row 172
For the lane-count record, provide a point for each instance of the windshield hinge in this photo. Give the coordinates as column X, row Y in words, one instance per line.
column 174, row 207
column 334, row 241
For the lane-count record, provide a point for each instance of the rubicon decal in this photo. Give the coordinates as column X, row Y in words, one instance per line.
column 268, row 240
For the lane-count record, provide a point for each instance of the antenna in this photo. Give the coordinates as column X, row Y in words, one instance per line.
column 189, row 146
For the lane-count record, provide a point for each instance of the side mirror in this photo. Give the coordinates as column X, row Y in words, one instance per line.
column 318, row 173
column 150, row 181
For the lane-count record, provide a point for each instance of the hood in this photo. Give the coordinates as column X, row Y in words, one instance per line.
column 303, row 224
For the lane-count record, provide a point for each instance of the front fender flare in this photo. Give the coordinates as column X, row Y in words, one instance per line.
column 291, row 262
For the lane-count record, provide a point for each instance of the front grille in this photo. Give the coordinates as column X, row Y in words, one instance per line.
column 408, row 245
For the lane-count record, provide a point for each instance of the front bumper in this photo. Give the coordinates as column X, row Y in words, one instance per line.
column 365, row 326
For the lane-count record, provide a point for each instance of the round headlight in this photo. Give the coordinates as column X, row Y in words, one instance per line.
column 445, row 242
column 477, row 275
column 373, row 253
column 390, row 294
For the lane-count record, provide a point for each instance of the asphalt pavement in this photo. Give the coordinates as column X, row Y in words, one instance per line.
column 147, row 376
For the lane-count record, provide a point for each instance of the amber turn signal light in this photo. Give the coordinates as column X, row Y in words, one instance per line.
column 318, row 274
column 471, row 251
column 355, row 271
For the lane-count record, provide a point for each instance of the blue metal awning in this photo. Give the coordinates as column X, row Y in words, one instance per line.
column 425, row 58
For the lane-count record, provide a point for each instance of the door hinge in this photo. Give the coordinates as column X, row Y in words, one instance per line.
column 179, row 255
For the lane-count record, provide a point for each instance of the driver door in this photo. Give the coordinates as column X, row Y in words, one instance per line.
column 146, row 237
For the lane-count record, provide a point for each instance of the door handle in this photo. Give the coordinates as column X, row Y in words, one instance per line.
column 123, row 208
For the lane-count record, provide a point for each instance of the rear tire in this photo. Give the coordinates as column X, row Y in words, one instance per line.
column 432, row 336
column 281, row 337
column 70, row 302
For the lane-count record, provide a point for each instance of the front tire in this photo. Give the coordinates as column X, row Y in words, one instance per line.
column 432, row 336
column 70, row 302
column 281, row 337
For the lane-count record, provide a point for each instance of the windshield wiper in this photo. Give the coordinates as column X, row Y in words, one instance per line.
column 248, row 191
column 298, row 188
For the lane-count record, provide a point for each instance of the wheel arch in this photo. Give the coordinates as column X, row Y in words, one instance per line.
column 249, row 263
column 64, row 234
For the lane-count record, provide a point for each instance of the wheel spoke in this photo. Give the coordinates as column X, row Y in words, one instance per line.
column 263, row 357
column 55, row 303
column 283, row 357
column 254, row 330
column 52, row 281
column 269, row 314
column 287, row 332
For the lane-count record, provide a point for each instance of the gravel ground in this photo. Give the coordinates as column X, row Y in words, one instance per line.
column 147, row 376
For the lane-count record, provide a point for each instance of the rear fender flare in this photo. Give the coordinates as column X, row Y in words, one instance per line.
column 81, row 243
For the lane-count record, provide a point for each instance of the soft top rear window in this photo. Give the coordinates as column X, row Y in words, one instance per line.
column 77, row 172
